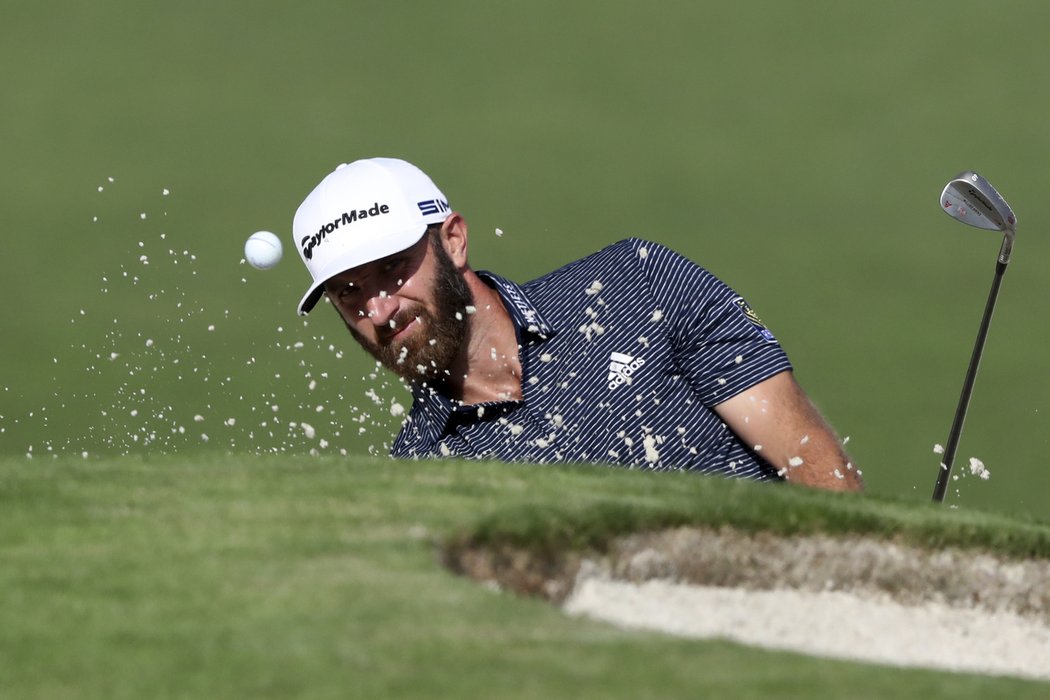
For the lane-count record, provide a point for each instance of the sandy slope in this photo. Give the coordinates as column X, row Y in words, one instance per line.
column 828, row 623
column 845, row 597
column 850, row 597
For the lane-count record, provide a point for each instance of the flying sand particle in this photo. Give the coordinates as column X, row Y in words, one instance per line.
column 652, row 455
column 977, row 468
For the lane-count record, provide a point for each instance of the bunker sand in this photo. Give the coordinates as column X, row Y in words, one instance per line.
column 839, row 597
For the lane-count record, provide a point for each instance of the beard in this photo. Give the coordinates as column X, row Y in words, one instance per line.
column 429, row 351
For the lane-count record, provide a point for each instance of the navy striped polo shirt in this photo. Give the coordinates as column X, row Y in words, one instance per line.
column 623, row 355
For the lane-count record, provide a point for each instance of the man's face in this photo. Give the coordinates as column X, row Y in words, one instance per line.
column 407, row 310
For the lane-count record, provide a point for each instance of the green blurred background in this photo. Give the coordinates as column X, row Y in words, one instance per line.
column 796, row 149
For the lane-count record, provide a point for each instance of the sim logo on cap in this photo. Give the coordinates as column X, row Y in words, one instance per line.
column 432, row 206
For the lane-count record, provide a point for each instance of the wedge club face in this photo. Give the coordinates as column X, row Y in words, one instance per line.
column 971, row 199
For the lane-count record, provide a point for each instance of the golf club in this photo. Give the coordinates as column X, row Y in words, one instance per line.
column 971, row 199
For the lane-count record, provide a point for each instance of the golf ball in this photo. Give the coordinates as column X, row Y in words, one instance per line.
column 263, row 250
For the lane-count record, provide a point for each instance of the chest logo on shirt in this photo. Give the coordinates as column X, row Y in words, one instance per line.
column 621, row 367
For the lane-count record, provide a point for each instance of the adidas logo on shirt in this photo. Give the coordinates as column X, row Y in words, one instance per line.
column 621, row 367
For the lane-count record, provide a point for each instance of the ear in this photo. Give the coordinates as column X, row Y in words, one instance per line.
column 454, row 238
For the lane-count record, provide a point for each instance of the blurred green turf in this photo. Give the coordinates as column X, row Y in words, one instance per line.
column 795, row 149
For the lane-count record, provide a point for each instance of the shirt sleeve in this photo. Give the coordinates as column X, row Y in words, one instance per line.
column 720, row 345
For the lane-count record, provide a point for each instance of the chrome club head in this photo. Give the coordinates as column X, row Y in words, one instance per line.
column 971, row 199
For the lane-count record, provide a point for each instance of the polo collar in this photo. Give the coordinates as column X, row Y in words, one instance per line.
column 434, row 409
column 522, row 311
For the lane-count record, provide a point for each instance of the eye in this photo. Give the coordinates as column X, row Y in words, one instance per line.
column 392, row 265
column 348, row 292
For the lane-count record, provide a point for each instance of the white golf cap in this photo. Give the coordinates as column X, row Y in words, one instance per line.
column 363, row 211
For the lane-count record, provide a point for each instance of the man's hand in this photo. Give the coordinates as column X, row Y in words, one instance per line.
column 777, row 420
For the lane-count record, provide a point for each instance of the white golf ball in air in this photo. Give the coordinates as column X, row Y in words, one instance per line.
column 263, row 250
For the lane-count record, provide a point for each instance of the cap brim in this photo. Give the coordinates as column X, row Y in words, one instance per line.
column 340, row 264
column 313, row 295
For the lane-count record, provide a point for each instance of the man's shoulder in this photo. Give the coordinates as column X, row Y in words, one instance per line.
column 629, row 251
column 635, row 261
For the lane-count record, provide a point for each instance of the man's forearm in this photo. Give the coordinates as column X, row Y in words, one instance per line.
column 776, row 419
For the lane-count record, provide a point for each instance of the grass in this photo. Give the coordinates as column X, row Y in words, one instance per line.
column 792, row 512
column 296, row 577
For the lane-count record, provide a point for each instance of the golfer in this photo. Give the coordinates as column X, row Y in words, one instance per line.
column 633, row 355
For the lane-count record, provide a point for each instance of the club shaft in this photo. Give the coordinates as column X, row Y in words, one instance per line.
column 944, row 470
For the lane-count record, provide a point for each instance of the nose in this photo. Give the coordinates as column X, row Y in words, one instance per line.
column 381, row 308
